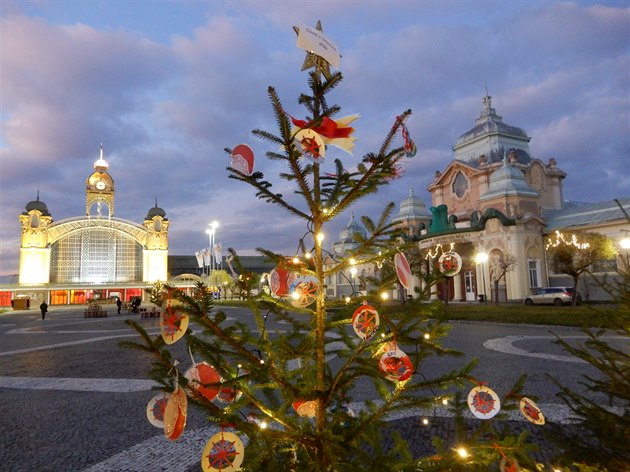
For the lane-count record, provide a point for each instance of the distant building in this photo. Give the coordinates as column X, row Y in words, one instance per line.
column 495, row 199
column 87, row 257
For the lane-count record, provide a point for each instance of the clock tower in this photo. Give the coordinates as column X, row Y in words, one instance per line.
column 99, row 191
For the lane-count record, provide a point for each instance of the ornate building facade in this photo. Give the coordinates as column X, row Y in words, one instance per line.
column 96, row 255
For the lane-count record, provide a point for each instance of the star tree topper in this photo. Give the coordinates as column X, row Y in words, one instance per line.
column 321, row 53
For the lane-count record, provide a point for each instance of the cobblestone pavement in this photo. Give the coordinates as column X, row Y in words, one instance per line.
column 72, row 400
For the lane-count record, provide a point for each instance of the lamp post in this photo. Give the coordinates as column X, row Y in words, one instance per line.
column 480, row 258
column 211, row 232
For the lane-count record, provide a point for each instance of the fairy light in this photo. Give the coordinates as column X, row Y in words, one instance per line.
column 352, row 261
column 439, row 249
column 262, row 361
column 445, row 401
column 353, row 271
column 384, row 295
column 347, row 299
column 307, row 255
column 263, row 424
column 296, row 260
column 427, row 336
column 319, row 237
column 561, row 239
column 425, row 421
column 462, row 452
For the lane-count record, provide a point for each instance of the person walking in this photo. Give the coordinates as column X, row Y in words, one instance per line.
column 118, row 304
column 44, row 308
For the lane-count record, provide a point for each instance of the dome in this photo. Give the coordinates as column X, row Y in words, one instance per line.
column 412, row 207
column 508, row 180
column 37, row 205
column 346, row 235
column 155, row 211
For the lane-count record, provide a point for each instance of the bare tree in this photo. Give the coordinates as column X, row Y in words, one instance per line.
column 498, row 269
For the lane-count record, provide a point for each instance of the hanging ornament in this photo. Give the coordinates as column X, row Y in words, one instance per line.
column 311, row 145
column 200, row 376
column 483, row 402
column 305, row 408
column 531, row 412
column 450, row 263
column 155, row 409
column 303, row 291
column 402, row 270
column 508, row 464
column 243, row 159
column 333, row 132
column 365, row 321
column 409, row 146
column 173, row 324
column 280, row 281
column 224, row 452
column 395, row 364
column 321, row 53
column 175, row 414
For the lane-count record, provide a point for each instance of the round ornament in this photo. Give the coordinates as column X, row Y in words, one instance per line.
column 305, row 408
column 200, row 376
column 311, row 145
column 224, row 452
column 303, row 291
column 531, row 412
column 173, row 324
column 450, row 263
column 509, row 464
column 243, row 159
column 395, row 364
column 483, row 402
column 155, row 409
column 365, row 321
column 403, row 270
column 175, row 414
column 280, row 281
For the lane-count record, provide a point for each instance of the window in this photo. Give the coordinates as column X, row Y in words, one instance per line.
column 609, row 265
column 534, row 271
column 460, row 185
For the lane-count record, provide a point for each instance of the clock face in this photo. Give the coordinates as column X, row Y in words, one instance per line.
column 100, row 185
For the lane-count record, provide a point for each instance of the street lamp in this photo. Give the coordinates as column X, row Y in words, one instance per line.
column 211, row 232
column 480, row 258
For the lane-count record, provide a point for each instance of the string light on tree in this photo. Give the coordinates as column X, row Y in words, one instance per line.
column 561, row 239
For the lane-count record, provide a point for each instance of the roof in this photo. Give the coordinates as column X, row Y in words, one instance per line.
column 575, row 215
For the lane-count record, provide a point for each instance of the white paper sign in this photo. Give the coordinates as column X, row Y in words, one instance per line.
column 314, row 41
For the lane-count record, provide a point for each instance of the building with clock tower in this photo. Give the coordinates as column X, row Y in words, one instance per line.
column 97, row 255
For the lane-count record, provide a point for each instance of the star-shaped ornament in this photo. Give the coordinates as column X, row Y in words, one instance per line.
column 321, row 65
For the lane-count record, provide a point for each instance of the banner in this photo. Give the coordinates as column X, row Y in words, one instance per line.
column 199, row 257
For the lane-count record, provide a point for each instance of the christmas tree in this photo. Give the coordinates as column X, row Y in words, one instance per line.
column 284, row 400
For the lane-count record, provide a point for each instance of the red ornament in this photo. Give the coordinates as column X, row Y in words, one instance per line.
column 175, row 414
column 305, row 408
column 483, row 402
column 365, row 321
column 224, row 452
column 531, row 412
column 402, row 270
column 173, row 324
column 279, row 282
column 395, row 364
column 243, row 159
column 200, row 376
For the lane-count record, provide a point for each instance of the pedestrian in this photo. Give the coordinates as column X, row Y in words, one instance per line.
column 44, row 308
column 118, row 304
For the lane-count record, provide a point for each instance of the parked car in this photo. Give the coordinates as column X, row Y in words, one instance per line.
column 551, row 296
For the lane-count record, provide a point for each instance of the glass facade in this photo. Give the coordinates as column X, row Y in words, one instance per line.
column 96, row 255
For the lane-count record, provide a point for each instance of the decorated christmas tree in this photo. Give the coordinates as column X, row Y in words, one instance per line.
column 285, row 400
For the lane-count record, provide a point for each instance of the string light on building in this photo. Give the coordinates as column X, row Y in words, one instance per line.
column 439, row 249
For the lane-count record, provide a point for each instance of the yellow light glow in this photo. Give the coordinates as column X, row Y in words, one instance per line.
column 445, row 401
column 461, row 452
column 307, row 255
column 263, row 425
column 295, row 295
column 347, row 299
column 319, row 237
column 561, row 239
column 425, row 421
column 427, row 336
column 296, row 260
column 352, row 261
column 384, row 295
column 481, row 257
column 625, row 243
column 353, row 272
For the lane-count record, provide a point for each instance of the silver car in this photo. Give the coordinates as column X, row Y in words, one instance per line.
column 551, row 296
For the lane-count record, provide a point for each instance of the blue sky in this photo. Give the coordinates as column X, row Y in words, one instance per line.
column 167, row 85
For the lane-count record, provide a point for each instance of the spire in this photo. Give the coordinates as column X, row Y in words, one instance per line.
column 101, row 164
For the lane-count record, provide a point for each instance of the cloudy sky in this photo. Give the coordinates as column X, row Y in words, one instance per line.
column 167, row 85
